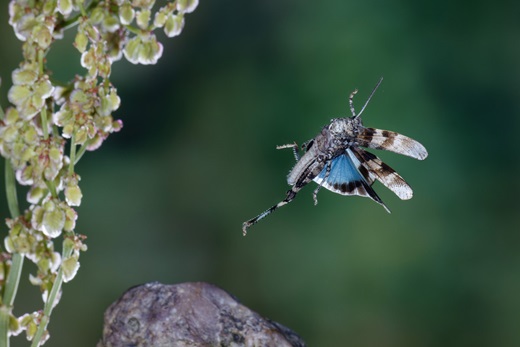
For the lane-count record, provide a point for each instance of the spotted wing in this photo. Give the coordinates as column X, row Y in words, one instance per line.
column 391, row 141
column 347, row 176
column 380, row 171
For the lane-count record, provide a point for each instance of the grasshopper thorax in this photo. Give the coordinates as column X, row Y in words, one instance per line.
column 345, row 127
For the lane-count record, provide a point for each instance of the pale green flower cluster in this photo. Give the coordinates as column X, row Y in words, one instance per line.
column 51, row 125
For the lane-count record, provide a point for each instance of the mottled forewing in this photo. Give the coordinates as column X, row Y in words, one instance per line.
column 390, row 141
column 383, row 173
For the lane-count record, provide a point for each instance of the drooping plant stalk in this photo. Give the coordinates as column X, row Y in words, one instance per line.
column 51, row 301
column 15, row 271
column 49, row 116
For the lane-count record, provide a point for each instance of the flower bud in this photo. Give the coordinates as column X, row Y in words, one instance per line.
column 174, row 25
column 42, row 35
column 126, row 14
column 143, row 18
column 24, row 76
column 187, row 6
column 65, row 7
column 70, row 218
column 53, row 220
column 73, row 194
column 111, row 23
column 160, row 19
column 70, row 267
column 81, row 41
column 18, row 94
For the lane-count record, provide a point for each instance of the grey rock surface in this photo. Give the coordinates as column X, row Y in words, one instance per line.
column 188, row 314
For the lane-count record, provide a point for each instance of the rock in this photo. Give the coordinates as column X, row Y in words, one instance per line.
column 188, row 314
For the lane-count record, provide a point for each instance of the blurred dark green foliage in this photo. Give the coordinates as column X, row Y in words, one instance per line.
column 165, row 198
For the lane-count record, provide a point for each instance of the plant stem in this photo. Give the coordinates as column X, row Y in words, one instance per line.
column 51, row 300
column 133, row 30
column 10, row 190
column 72, row 153
column 52, row 188
column 44, row 123
column 15, row 271
column 4, row 326
column 72, row 21
column 81, row 151
column 13, row 279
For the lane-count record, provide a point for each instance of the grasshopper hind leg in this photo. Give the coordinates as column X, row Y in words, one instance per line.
column 290, row 197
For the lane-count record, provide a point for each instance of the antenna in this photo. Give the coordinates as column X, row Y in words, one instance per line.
column 370, row 97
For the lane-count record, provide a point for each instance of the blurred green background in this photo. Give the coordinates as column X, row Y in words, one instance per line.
column 165, row 198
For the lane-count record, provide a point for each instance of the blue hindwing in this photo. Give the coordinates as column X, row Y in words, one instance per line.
column 346, row 178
